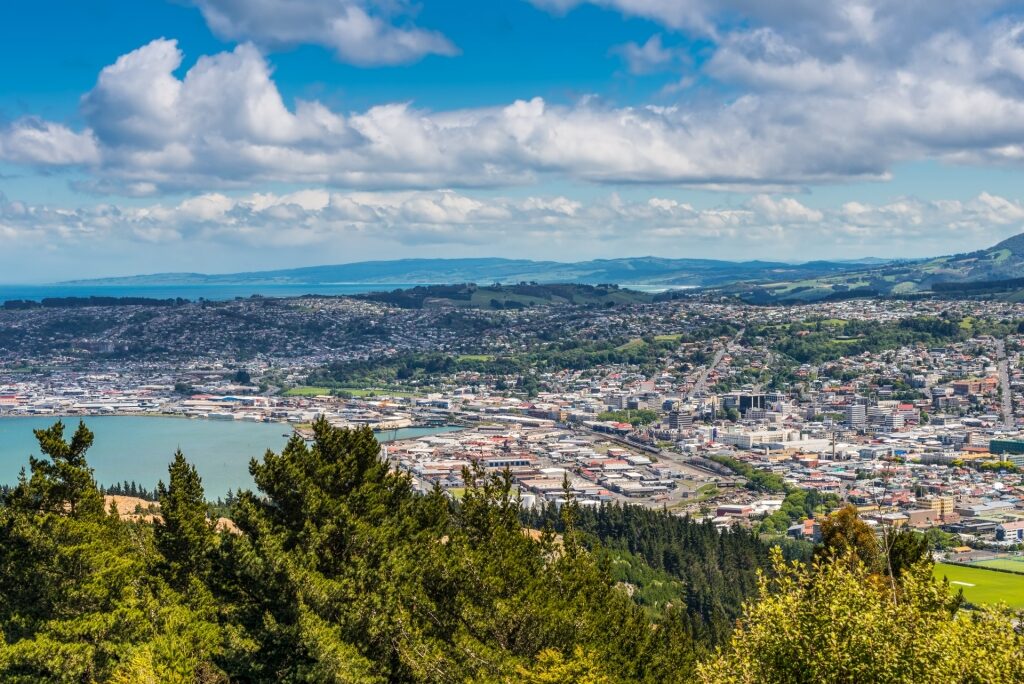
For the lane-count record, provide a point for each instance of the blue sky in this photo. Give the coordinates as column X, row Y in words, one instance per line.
column 222, row 135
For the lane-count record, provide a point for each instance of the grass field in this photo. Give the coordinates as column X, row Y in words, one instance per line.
column 1013, row 564
column 984, row 586
column 475, row 357
column 636, row 343
column 706, row 492
column 397, row 394
column 482, row 298
column 306, row 391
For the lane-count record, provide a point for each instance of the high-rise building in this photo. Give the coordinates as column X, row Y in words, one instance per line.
column 677, row 420
column 856, row 416
column 893, row 422
column 752, row 401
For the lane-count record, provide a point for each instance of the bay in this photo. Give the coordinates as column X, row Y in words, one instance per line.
column 140, row 448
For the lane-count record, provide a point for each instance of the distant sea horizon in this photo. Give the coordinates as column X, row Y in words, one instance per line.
column 211, row 291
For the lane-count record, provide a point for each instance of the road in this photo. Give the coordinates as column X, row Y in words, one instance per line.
column 703, row 379
column 1006, row 409
column 673, row 457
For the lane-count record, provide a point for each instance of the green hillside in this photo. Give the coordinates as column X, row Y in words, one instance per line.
column 993, row 272
column 519, row 296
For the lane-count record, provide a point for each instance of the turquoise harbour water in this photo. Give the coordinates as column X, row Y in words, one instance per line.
column 140, row 448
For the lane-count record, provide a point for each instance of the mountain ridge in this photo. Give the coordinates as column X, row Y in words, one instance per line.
column 632, row 270
column 755, row 281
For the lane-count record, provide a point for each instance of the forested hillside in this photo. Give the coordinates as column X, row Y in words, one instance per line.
column 716, row 571
column 338, row 572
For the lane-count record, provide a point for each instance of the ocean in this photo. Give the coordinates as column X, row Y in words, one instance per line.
column 213, row 292
column 140, row 448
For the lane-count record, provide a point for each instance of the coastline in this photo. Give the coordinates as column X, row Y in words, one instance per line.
column 295, row 428
column 140, row 449
column 138, row 414
column 126, row 414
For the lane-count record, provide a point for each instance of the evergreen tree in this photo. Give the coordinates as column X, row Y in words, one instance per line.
column 342, row 573
column 184, row 536
column 341, row 568
column 79, row 598
column 718, row 569
column 63, row 483
column 906, row 549
column 312, row 576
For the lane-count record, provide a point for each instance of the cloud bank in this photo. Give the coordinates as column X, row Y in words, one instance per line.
column 764, row 225
column 848, row 104
column 776, row 97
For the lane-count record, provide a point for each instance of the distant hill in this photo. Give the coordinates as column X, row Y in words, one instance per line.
column 648, row 271
column 519, row 296
column 767, row 282
column 995, row 271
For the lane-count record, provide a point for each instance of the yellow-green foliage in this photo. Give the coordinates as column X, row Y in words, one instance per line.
column 554, row 668
column 836, row 622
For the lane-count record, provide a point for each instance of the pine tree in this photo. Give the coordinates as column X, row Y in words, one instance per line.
column 79, row 599
column 906, row 549
column 183, row 535
column 63, row 483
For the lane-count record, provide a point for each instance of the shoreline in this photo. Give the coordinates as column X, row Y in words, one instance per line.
column 293, row 426
column 130, row 414
column 140, row 450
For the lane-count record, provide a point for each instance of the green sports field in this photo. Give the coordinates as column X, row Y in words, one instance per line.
column 984, row 586
column 307, row 391
column 1015, row 564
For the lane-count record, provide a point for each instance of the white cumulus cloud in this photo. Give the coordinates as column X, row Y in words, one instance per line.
column 35, row 142
column 647, row 58
column 360, row 32
column 873, row 87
